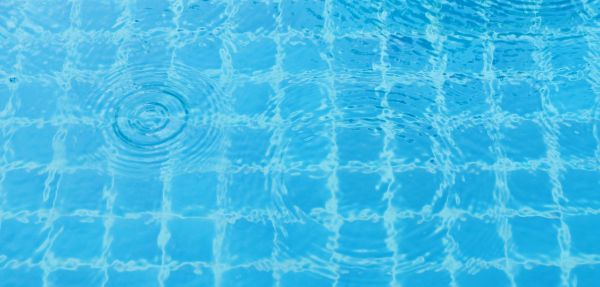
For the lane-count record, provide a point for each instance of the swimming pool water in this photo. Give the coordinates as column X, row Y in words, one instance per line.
column 299, row 143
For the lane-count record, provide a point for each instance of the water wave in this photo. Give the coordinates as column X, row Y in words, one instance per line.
column 154, row 118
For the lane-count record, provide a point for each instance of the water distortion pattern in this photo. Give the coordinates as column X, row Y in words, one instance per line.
column 299, row 143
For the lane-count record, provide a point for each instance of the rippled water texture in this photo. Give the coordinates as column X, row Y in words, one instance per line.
column 297, row 143
column 157, row 119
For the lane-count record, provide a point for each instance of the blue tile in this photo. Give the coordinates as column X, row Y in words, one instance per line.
column 253, row 99
column 37, row 99
column 489, row 277
column 83, row 190
column 352, row 53
column 97, row 54
column 306, row 191
column 415, row 189
column 249, row 145
column 420, row 239
column 189, row 277
column 358, row 102
column 240, row 277
column 78, row 238
column 514, row 56
column 203, row 15
column 530, row 189
column 253, row 55
column 100, row 15
column 304, row 56
column 300, row 279
column 586, row 275
column 464, row 55
column 51, row 20
column 427, row 278
column 307, row 240
column 135, row 239
column 356, row 276
column 247, row 242
column 535, row 237
column 83, row 144
column 204, row 53
column 22, row 241
column 466, row 96
column 580, row 187
column 582, row 240
column 247, row 191
column 413, row 143
column 22, row 276
column 523, row 141
column 40, row 150
column 68, row 278
column 137, row 194
column 363, row 240
column 194, row 194
column 413, row 100
column 577, row 140
column 24, row 190
column 349, row 17
column 539, row 275
column 303, row 15
column 190, row 240
column 469, row 232
column 409, row 54
column 359, row 144
column 264, row 11
column 133, row 278
column 152, row 14
column 520, row 98
column 474, row 191
column 475, row 145
column 360, row 192
column 561, row 96
column 44, row 58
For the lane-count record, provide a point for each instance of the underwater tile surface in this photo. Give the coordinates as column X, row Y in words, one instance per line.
column 299, row 143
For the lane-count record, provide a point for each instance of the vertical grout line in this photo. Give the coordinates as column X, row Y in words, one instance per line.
column 110, row 194
column 221, row 223
column 6, row 133
column 166, row 174
column 492, row 126
column 593, row 58
column 442, row 148
column 332, row 161
column 276, row 143
column 164, row 234
column 550, row 130
column 387, row 155
column 52, row 183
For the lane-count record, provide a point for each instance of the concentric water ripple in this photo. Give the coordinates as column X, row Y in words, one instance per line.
column 155, row 118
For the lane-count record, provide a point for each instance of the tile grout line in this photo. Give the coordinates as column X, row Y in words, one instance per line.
column 52, row 182
column 442, row 149
column 166, row 173
column 387, row 155
column 110, row 194
column 501, row 191
column 550, row 132
column 224, row 174
column 332, row 161
column 276, row 144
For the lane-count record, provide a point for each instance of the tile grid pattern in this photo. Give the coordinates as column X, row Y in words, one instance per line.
column 549, row 120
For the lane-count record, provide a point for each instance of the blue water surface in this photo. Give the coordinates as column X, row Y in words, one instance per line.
column 297, row 143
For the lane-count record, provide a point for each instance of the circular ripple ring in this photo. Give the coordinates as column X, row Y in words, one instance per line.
column 158, row 118
column 150, row 118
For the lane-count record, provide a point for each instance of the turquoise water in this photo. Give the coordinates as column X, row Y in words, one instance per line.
column 300, row 143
